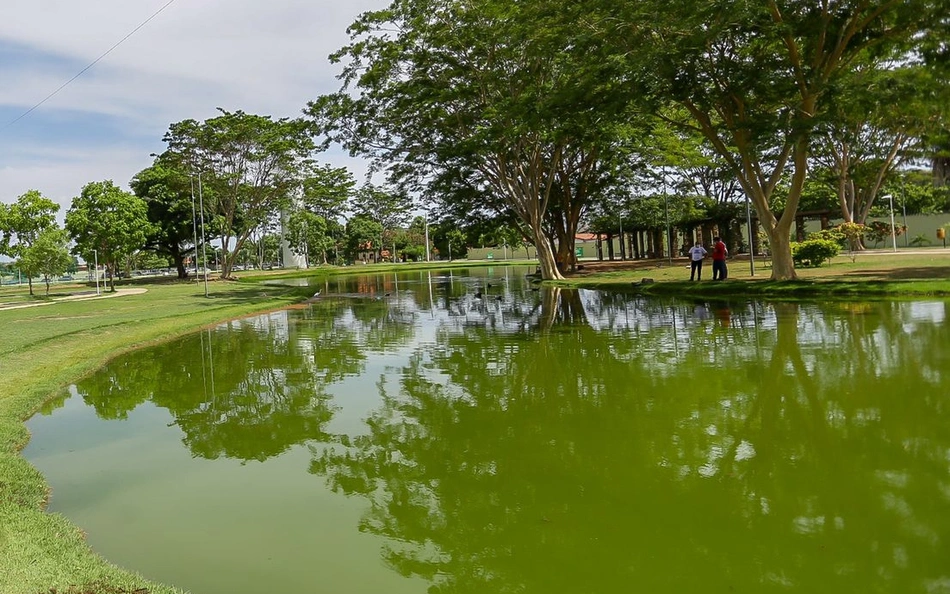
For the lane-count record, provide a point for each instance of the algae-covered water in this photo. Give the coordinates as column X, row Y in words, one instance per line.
column 469, row 432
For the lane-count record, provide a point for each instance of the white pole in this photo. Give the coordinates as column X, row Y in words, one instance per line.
column 893, row 229
column 748, row 222
column 194, row 222
column 622, row 253
column 95, row 254
column 204, row 248
column 427, row 237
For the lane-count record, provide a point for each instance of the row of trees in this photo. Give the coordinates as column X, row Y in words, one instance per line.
column 547, row 112
column 242, row 176
column 529, row 121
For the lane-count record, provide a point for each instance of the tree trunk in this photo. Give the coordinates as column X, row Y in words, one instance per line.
column 546, row 259
column 29, row 282
column 783, row 267
column 180, row 265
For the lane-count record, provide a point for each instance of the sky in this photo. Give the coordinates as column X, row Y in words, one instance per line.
column 265, row 57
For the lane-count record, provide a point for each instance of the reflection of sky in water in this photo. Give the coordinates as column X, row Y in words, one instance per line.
column 770, row 426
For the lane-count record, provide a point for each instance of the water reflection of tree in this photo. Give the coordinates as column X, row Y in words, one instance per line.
column 249, row 389
column 567, row 464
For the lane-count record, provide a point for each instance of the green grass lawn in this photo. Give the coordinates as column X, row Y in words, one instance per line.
column 44, row 349
column 871, row 274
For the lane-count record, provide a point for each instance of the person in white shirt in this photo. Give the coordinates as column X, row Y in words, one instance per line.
column 696, row 255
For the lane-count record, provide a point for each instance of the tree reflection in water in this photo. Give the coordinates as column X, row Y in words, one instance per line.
column 779, row 449
column 576, row 441
column 249, row 389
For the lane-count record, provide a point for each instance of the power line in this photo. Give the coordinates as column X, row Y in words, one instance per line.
column 91, row 64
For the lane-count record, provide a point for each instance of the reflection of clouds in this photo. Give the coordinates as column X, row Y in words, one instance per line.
column 928, row 312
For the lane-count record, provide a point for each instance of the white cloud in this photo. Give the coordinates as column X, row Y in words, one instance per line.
column 262, row 57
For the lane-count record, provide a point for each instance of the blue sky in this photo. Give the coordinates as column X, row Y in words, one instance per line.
column 197, row 55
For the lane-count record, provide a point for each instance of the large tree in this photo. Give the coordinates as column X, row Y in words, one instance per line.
column 109, row 221
column 755, row 78
column 22, row 223
column 869, row 134
column 48, row 256
column 169, row 193
column 434, row 88
column 253, row 166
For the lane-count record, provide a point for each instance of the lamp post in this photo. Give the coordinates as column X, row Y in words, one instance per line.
column 194, row 224
column 890, row 199
column 748, row 222
column 622, row 253
column 204, row 246
column 669, row 231
column 95, row 255
column 427, row 236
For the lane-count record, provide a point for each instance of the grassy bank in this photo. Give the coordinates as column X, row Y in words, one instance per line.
column 321, row 271
column 45, row 348
column 869, row 275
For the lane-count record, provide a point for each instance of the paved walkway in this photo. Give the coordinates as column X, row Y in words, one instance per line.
column 84, row 296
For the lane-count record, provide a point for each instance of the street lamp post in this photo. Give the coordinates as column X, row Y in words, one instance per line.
column 427, row 236
column 622, row 252
column 194, row 223
column 890, row 199
column 204, row 247
column 748, row 222
column 95, row 255
column 669, row 231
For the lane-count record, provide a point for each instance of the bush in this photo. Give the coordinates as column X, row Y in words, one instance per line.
column 832, row 234
column 813, row 252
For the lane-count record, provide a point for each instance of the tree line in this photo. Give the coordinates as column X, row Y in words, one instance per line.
column 528, row 122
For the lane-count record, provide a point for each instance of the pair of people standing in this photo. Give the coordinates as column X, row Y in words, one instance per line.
column 698, row 253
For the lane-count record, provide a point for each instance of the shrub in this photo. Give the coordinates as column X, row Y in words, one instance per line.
column 813, row 252
column 831, row 234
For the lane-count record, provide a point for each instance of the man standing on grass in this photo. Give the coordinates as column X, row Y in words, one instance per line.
column 696, row 255
column 719, row 259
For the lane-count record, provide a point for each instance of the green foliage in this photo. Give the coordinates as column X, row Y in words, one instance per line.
column 309, row 236
column 450, row 242
column 327, row 190
column 47, row 257
column 108, row 220
column 168, row 190
column 251, row 165
column 878, row 231
column 830, row 234
column 811, row 253
column 22, row 222
column 363, row 234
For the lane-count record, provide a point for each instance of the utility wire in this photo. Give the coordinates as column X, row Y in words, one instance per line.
column 93, row 63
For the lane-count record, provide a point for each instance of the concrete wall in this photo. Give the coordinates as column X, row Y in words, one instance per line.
column 502, row 253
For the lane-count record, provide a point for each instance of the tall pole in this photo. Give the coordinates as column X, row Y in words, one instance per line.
column 427, row 237
column 748, row 222
column 669, row 233
column 622, row 252
column 204, row 247
column 893, row 229
column 194, row 222
column 95, row 255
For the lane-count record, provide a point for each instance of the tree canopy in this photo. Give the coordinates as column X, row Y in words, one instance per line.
column 109, row 221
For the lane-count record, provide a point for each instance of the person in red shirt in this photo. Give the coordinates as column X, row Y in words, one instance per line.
column 719, row 259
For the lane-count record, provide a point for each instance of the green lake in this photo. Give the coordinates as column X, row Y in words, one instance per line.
column 467, row 432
